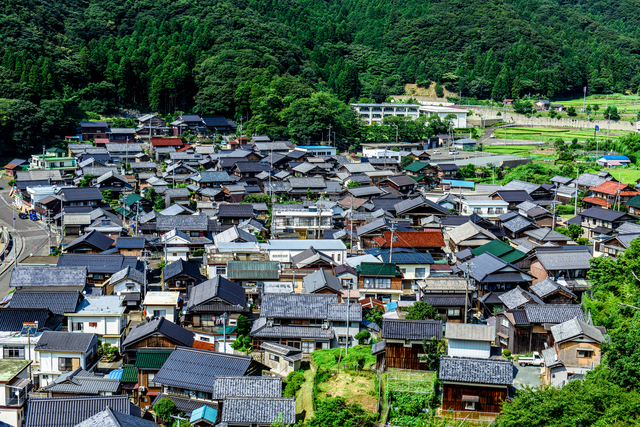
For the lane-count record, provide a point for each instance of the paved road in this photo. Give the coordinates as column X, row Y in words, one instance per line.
column 32, row 235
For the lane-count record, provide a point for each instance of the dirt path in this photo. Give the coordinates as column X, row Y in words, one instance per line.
column 304, row 402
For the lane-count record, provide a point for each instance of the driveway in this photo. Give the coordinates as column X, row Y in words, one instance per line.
column 525, row 375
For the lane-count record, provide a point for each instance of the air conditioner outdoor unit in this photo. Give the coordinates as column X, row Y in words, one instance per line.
column 270, row 323
column 325, row 326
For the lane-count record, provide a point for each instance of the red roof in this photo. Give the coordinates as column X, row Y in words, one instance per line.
column 429, row 238
column 596, row 201
column 204, row 345
column 166, row 142
column 610, row 187
column 371, row 303
column 440, row 266
column 185, row 148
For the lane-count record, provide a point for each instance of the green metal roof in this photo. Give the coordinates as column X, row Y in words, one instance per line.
column 128, row 213
column 500, row 249
column 253, row 270
column 129, row 374
column 377, row 269
column 131, row 199
column 230, row 329
column 9, row 368
column 417, row 178
column 151, row 359
column 634, row 201
column 416, row 166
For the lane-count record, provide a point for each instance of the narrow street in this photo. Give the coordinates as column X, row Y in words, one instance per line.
column 30, row 237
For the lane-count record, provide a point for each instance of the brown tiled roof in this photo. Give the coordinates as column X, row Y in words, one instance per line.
column 412, row 239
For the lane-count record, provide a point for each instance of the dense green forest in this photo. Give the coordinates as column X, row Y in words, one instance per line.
column 272, row 62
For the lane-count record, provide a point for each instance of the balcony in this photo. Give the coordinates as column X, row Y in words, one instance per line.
column 21, row 387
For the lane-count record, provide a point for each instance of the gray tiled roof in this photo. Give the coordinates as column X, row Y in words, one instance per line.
column 162, row 326
column 467, row 231
column 124, row 242
column 565, row 260
column 516, row 184
column 97, row 263
column 224, row 387
column 518, row 297
column 93, row 238
column 127, row 273
column 219, row 288
column 65, row 341
column 589, row 180
column 549, row 286
column 261, row 330
column 553, row 313
column 48, row 276
column 575, row 328
column 338, row 312
column 261, row 410
column 58, row 302
column 12, row 319
column 181, row 267
column 109, row 418
column 478, row 371
column 469, row 332
column 407, row 205
column 232, row 210
column 182, row 223
column 296, row 306
column 378, row 347
column 80, row 381
column 411, row 329
column 517, row 223
column 319, row 279
column 603, row 214
column 185, row 404
column 70, row 411
column 194, row 369
column 304, row 183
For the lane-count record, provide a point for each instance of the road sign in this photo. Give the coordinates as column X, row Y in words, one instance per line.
column 597, row 128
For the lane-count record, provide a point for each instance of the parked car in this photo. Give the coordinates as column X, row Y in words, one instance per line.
column 23, row 215
column 453, row 152
column 535, row 360
column 33, row 216
column 436, row 152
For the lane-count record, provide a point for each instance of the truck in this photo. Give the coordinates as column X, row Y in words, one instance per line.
column 535, row 360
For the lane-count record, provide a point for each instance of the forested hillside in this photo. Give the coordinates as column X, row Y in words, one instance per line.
column 267, row 59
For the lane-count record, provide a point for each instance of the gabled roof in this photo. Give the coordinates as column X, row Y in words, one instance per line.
column 126, row 242
column 95, row 263
column 71, row 411
column 501, row 250
column 513, row 196
column 219, row 289
column 161, row 326
column 516, row 184
column 233, row 234
column 94, row 238
column 182, row 223
column 575, row 328
column 80, row 381
column 467, row 231
column 411, row 329
column 111, row 418
column 12, row 319
column 242, row 270
column 430, row 238
column 180, row 267
column 258, row 410
column 468, row 332
column 224, row 387
column 184, row 368
column 487, row 268
column 553, row 313
column 58, row 302
column 80, row 194
column 549, row 286
column 229, row 210
column 602, row 214
column 28, row 277
column 476, row 371
column 546, row 235
column 589, row 180
column 310, row 256
column 319, row 279
column 410, row 204
column 517, row 224
column 565, row 260
column 416, row 166
column 518, row 297
column 51, row 341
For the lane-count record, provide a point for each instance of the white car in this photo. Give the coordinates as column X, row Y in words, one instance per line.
column 437, row 152
column 453, row 152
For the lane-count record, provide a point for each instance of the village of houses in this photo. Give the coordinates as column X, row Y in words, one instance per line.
column 143, row 297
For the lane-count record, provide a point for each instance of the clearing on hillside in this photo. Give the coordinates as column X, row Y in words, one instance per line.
column 357, row 388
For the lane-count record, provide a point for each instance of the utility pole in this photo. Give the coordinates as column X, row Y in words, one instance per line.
column 351, row 226
column 393, row 229
column 555, row 195
column 329, row 134
column 584, row 102
column 396, row 135
column 273, row 205
column 346, row 346
column 179, row 418
column 575, row 208
column 466, row 294
column 224, row 330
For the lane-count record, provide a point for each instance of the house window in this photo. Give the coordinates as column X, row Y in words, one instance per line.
column 79, row 326
column 150, row 377
column 204, row 395
column 470, row 406
column 221, row 271
column 316, row 322
column 421, row 273
column 346, row 283
column 13, row 353
column 308, row 346
column 291, row 364
column 382, row 283
column 584, row 352
column 194, row 234
column 68, row 363
column 274, row 357
column 342, row 340
column 340, row 324
column 205, row 339
column 98, row 276
column 504, row 322
column 453, row 312
column 159, row 313
column 93, row 324
column 504, row 341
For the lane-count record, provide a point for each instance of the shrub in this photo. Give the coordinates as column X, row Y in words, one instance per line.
column 506, row 353
column 363, row 337
column 294, row 382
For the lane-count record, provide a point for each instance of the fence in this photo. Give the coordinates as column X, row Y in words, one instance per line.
column 468, row 418
column 410, row 381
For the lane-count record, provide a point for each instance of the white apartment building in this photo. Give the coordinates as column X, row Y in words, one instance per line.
column 308, row 221
column 375, row 113
column 485, row 208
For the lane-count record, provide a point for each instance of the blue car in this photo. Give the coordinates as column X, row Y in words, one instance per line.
column 33, row 216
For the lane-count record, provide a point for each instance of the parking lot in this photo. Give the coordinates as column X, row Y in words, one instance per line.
column 525, row 375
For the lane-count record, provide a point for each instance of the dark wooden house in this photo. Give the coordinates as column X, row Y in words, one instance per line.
column 401, row 344
column 157, row 334
column 211, row 299
column 471, row 384
column 181, row 276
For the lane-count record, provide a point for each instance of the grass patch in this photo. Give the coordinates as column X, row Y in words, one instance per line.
column 304, row 399
column 358, row 388
column 509, row 149
column 627, row 176
column 328, row 358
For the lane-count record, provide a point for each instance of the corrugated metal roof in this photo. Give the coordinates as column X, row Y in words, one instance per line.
column 151, row 359
column 129, row 374
column 253, row 270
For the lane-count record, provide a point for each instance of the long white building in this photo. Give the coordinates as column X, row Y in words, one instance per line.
column 374, row 113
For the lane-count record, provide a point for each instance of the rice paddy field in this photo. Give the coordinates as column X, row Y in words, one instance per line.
column 618, row 100
column 551, row 134
column 517, row 150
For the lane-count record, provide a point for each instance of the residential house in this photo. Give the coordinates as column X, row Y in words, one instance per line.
column 613, row 161
column 14, row 388
column 536, row 191
column 81, row 383
column 283, row 250
column 121, row 134
column 516, row 226
column 181, row 276
column 467, row 340
column 472, row 384
column 596, row 221
column 162, row 304
column 446, row 171
column 90, row 243
column 512, row 197
column 93, row 130
column 74, row 411
column 62, row 352
column 154, row 335
column 258, row 411
column 402, row 343
column 528, row 329
column 211, row 299
column 413, row 265
column 500, row 249
column 575, row 351
column 101, row 315
column 541, row 105
column 58, row 302
column 485, row 208
column 305, row 221
column 494, row 274
column 449, row 295
column 49, row 278
column 428, row 240
column 609, row 193
column 179, row 245
column 111, row 418
column 123, row 152
column 251, row 275
column 416, row 209
column 210, row 179
column 633, row 204
column 569, row 262
column 281, row 359
column 541, row 236
column 382, row 281
column 322, row 282
column 14, row 166
column 401, row 183
column 468, row 236
column 187, row 122
column 148, row 363
column 230, row 214
column 552, row 292
column 129, row 283
column 588, row 180
column 306, row 321
column 614, row 245
column 83, row 196
column 130, row 246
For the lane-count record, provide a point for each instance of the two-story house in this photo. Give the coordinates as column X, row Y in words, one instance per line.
column 154, row 335
column 93, row 130
column 148, row 363
column 569, row 262
column 486, row 208
column 609, row 193
column 181, row 276
column 14, row 391
column 53, row 159
column 306, row 221
column 401, row 346
column 101, row 315
column 575, row 351
column 81, row 196
column 162, row 304
column 61, row 352
column 597, row 221
column 210, row 179
column 306, row 321
column 382, row 281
